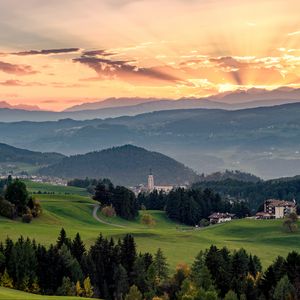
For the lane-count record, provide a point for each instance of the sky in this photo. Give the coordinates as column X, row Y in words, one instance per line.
column 56, row 54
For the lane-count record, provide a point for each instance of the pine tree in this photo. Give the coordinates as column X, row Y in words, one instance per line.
column 63, row 239
column 161, row 265
column 121, row 282
column 6, row 281
column 25, row 285
column 67, row 288
column 128, row 253
column 284, row 289
column 200, row 274
column 78, row 248
column 70, row 265
column 140, row 274
column 35, row 288
column 2, row 260
column 134, row 294
column 231, row 295
column 87, row 287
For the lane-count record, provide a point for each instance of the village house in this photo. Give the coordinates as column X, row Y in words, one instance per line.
column 217, row 218
column 277, row 209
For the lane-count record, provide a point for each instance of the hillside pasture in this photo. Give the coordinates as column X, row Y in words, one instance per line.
column 265, row 238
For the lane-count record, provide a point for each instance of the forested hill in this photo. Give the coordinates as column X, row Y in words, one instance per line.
column 228, row 174
column 264, row 141
column 256, row 192
column 126, row 165
column 12, row 154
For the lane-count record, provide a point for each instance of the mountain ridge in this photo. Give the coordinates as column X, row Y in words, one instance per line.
column 247, row 99
column 125, row 165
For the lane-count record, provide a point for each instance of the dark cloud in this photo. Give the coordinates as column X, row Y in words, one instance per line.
column 12, row 82
column 46, row 51
column 16, row 69
column 125, row 70
column 100, row 52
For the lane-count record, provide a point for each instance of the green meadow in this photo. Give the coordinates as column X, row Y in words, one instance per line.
column 10, row 294
column 72, row 209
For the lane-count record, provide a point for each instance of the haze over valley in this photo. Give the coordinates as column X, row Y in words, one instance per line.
column 150, row 150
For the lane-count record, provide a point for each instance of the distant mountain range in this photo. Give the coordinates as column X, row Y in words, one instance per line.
column 110, row 103
column 4, row 104
column 126, row 165
column 116, row 107
column 264, row 141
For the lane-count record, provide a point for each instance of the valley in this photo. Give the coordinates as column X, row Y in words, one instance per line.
column 72, row 209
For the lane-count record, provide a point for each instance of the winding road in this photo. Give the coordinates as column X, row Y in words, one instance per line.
column 95, row 216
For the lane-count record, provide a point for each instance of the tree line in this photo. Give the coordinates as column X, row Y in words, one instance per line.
column 15, row 201
column 191, row 206
column 255, row 193
column 120, row 198
column 188, row 206
column 114, row 270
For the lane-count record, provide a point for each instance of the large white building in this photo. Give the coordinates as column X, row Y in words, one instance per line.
column 165, row 188
column 277, row 209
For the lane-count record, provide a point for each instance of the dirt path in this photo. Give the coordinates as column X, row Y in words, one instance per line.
column 95, row 216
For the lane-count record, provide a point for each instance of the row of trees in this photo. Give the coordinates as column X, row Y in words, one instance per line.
column 114, row 270
column 192, row 205
column 120, row 198
column 15, row 201
column 255, row 193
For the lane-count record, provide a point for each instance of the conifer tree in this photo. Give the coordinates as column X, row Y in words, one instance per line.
column 67, row 288
column 128, row 253
column 63, row 239
column 231, row 295
column 78, row 248
column 121, row 282
column 87, row 287
column 284, row 289
column 134, row 294
column 6, row 281
column 160, row 265
column 200, row 274
column 35, row 288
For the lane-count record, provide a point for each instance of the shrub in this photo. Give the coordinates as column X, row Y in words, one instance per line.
column 204, row 223
column 7, row 209
column 108, row 211
column 35, row 207
column 148, row 220
column 27, row 218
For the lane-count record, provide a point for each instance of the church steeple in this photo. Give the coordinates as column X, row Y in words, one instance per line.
column 150, row 181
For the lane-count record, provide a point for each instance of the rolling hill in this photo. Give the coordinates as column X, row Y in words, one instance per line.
column 9, row 154
column 126, row 165
column 73, row 212
column 11, row 294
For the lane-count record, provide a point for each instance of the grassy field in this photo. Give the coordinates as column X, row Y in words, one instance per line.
column 36, row 187
column 264, row 238
column 10, row 294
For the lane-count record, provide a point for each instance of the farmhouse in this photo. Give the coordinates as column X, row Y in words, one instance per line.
column 217, row 217
column 277, row 209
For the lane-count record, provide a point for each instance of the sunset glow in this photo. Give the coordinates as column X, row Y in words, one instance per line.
column 56, row 54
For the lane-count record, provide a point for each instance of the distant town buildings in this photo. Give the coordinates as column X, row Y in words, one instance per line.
column 41, row 179
column 277, row 209
column 150, row 187
column 217, row 218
